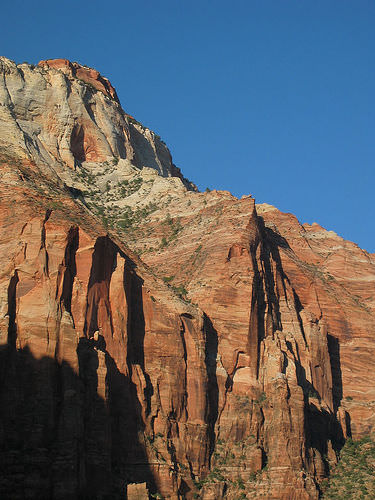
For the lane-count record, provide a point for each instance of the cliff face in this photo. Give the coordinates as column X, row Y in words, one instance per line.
column 62, row 114
column 90, row 346
column 206, row 346
column 290, row 323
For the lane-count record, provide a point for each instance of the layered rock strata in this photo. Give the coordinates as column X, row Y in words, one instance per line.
column 90, row 346
column 156, row 340
column 62, row 114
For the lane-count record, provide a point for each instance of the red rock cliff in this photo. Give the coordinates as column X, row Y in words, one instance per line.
column 91, row 344
column 231, row 359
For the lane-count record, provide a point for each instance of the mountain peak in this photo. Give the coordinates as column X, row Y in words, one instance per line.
column 82, row 72
column 63, row 114
column 156, row 341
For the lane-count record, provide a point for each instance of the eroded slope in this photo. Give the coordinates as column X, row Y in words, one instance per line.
column 245, row 386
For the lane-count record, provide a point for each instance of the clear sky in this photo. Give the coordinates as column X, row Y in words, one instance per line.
column 269, row 97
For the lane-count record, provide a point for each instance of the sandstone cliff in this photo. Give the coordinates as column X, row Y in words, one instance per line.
column 62, row 114
column 200, row 344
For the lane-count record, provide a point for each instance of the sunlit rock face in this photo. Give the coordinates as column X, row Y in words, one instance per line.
column 153, row 339
column 63, row 114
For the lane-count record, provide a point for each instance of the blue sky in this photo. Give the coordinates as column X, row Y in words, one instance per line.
column 270, row 97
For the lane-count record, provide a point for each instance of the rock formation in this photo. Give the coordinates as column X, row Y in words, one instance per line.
column 155, row 340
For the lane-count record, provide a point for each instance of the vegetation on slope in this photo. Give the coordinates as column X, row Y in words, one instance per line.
column 354, row 475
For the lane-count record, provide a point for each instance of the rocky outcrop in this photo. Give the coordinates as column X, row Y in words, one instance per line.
column 88, row 75
column 90, row 345
column 288, row 320
column 62, row 114
column 155, row 340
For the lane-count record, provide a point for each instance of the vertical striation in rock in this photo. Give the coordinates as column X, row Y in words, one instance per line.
column 231, row 359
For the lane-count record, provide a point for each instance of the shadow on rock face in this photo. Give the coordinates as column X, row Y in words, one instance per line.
column 59, row 437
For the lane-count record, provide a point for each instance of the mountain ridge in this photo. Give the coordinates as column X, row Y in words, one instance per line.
column 193, row 345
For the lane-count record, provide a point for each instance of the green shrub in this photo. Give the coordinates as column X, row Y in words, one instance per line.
column 167, row 279
column 262, row 399
column 354, row 472
column 180, row 290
